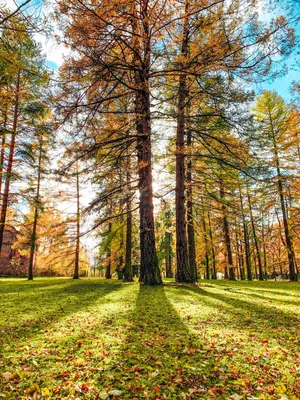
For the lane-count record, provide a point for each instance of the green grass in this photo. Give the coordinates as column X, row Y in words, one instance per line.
column 97, row 339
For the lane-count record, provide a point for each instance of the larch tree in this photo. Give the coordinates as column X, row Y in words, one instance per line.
column 272, row 116
column 33, row 151
column 25, row 75
column 117, row 57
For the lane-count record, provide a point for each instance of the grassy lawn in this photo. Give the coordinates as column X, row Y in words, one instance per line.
column 96, row 339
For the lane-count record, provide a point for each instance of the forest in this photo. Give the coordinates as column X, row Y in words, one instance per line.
column 157, row 165
column 149, row 152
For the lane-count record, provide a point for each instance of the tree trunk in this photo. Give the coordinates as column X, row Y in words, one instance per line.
column 108, row 266
column 241, row 263
column 149, row 268
column 2, row 155
column 36, row 214
column 239, row 251
column 231, row 275
column 128, row 273
column 10, row 162
column 264, row 247
column 246, row 239
column 77, row 248
column 183, row 271
column 288, row 238
column 168, row 240
column 260, row 269
column 214, row 269
column 190, row 217
column 120, row 271
column 206, row 244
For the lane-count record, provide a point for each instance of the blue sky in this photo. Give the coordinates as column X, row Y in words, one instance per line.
column 52, row 65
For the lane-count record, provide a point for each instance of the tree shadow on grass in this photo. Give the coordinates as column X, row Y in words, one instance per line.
column 36, row 306
column 269, row 287
column 64, row 353
column 161, row 357
column 11, row 286
column 271, row 297
column 265, row 320
column 260, row 342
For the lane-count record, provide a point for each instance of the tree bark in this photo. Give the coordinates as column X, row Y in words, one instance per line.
column 183, row 270
column 246, row 238
column 231, row 275
column 10, row 161
column 149, row 268
column 190, row 217
column 214, row 269
column 77, row 247
column 36, row 214
column 206, row 245
column 128, row 273
column 108, row 266
column 168, row 239
column 288, row 238
column 3, row 146
column 260, row 269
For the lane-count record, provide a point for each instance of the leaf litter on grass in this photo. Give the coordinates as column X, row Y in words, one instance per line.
column 108, row 340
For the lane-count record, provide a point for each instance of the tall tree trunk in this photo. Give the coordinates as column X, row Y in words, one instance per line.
column 149, row 269
column 241, row 263
column 120, row 271
column 183, row 271
column 10, row 162
column 260, row 269
column 231, row 275
column 205, row 244
column 36, row 214
column 239, row 251
column 190, row 217
column 246, row 239
column 108, row 266
column 77, row 247
column 127, row 272
column 214, row 269
column 2, row 155
column 288, row 238
column 264, row 246
column 168, row 240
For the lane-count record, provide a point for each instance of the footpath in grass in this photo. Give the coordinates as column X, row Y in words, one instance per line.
column 97, row 339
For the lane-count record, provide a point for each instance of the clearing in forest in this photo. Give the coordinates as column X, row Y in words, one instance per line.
column 97, row 339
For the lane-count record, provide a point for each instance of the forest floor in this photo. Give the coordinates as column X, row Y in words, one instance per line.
column 97, row 339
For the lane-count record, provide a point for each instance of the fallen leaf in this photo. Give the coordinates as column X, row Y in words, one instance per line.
column 115, row 392
column 103, row 395
column 235, row 396
column 45, row 391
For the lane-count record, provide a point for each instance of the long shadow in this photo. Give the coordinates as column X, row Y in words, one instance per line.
column 279, row 292
column 160, row 356
column 270, row 297
column 261, row 319
column 263, row 294
column 9, row 286
column 32, row 309
column 278, row 288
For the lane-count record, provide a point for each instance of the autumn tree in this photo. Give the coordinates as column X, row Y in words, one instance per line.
column 272, row 116
column 24, row 75
column 213, row 46
column 34, row 154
